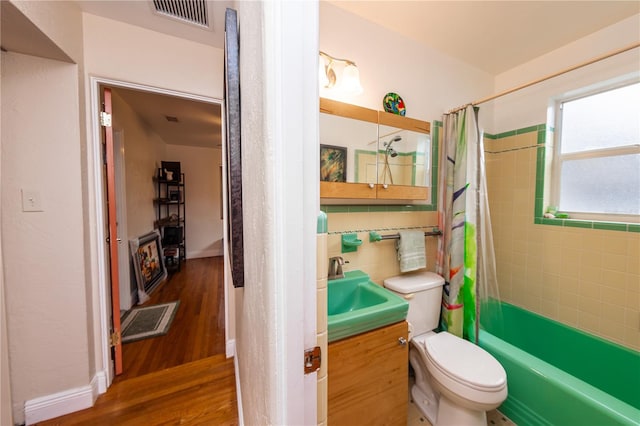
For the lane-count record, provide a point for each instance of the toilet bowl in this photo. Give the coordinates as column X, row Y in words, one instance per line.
column 465, row 379
column 456, row 382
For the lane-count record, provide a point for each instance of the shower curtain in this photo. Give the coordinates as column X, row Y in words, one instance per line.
column 465, row 251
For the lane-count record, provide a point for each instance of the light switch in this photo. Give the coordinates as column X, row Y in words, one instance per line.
column 31, row 201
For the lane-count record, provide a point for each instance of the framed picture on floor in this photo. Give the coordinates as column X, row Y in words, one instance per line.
column 148, row 263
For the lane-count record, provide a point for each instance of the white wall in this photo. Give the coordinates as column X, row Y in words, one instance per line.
column 278, row 42
column 59, row 20
column 43, row 251
column 256, row 333
column 201, row 167
column 6, row 416
column 429, row 82
column 529, row 106
column 124, row 52
column 144, row 150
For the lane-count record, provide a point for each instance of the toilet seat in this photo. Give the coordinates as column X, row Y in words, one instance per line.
column 459, row 360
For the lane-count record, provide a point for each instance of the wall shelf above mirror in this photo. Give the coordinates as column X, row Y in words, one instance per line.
column 372, row 155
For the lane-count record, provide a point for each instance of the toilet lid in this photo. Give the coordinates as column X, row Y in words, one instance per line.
column 465, row 362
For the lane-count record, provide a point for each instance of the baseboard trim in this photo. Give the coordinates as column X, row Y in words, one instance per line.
column 230, row 348
column 58, row 404
column 99, row 384
column 238, row 391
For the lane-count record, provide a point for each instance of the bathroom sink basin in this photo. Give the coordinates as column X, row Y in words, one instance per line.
column 356, row 304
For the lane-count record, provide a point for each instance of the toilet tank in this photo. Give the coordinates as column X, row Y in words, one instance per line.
column 423, row 291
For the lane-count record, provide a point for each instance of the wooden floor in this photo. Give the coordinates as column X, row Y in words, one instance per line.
column 198, row 393
column 182, row 377
column 197, row 330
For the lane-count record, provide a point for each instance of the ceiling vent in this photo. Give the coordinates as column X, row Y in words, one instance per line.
column 191, row 11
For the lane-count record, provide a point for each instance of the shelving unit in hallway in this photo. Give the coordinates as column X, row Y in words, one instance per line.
column 171, row 219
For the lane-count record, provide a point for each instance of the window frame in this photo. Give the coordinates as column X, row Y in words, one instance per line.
column 559, row 158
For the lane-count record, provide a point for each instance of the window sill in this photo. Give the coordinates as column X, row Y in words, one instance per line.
column 589, row 224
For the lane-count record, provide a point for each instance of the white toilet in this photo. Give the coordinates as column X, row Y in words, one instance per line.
column 457, row 382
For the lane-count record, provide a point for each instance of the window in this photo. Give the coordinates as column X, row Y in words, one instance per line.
column 596, row 168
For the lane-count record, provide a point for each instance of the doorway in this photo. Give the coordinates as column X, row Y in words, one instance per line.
column 155, row 125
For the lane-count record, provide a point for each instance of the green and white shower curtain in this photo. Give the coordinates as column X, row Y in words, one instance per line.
column 461, row 174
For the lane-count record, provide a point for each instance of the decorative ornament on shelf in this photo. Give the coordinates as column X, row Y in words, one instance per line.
column 394, row 104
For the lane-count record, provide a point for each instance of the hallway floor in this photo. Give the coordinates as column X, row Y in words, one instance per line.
column 197, row 330
column 182, row 377
column 202, row 392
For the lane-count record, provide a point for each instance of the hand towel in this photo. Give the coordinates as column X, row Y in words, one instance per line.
column 411, row 253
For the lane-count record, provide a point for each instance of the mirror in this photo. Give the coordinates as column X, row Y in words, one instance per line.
column 374, row 155
column 348, row 144
column 404, row 157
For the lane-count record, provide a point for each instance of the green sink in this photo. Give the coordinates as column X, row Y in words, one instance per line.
column 356, row 304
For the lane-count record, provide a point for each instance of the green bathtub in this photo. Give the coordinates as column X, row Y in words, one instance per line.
column 558, row 375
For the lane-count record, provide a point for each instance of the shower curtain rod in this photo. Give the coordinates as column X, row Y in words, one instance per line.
column 547, row 77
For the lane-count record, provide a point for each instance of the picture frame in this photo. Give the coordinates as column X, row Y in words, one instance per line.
column 333, row 163
column 233, row 158
column 148, row 263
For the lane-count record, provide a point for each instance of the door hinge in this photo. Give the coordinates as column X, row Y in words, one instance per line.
column 105, row 119
column 114, row 338
column 312, row 360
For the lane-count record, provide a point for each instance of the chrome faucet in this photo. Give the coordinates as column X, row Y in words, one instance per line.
column 335, row 267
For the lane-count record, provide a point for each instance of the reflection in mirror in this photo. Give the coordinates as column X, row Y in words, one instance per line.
column 359, row 138
column 404, row 157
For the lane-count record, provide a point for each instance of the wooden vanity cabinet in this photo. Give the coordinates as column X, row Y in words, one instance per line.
column 368, row 378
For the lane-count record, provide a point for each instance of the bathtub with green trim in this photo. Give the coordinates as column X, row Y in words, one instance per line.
column 558, row 375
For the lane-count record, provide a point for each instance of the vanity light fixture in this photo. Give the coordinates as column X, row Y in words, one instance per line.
column 349, row 81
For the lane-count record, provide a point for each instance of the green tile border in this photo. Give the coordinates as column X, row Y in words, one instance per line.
column 335, row 209
column 358, row 209
column 506, row 134
column 527, row 130
column 611, row 226
column 521, row 131
column 554, row 222
column 577, row 223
